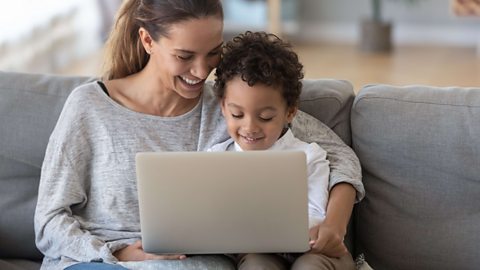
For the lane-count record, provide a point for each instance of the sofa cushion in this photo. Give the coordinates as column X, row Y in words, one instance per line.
column 420, row 153
column 329, row 101
column 14, row 264
column 29, row 108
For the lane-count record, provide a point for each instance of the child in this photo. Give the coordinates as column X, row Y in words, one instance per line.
column 258, row 83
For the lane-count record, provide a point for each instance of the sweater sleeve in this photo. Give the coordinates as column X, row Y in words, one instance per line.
column 344, row 164
column 62, row 188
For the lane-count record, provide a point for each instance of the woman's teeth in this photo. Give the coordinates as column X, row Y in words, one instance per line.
column 191, row 82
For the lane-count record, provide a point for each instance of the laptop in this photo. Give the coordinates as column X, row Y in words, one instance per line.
column 223, row 202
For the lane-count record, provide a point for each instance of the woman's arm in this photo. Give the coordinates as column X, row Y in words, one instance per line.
column 344, row 164
column 330, row 233
column 63, row 187
column 57, row 231
column 345, row 184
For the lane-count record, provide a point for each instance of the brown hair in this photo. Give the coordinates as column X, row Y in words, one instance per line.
column 258, row 57
column 124, row 53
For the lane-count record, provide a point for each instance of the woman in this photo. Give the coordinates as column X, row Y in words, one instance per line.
column 153, row 98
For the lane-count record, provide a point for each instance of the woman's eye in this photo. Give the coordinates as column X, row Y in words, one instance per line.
column 214, row 53
column 237, row 115
column 184, row 58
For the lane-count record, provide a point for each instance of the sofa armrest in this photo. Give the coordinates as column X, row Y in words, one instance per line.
column 29, row 107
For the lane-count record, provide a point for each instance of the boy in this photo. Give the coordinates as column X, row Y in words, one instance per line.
column 258, row 83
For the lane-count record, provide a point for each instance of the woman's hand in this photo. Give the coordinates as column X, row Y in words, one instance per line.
column 327, row 237
column 327, row 240
column 135, row 252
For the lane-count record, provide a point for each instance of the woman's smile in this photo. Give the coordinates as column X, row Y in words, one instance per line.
column 190, row 81
column 191, row 85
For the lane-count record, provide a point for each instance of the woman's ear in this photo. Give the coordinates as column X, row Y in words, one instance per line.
column 146, row 40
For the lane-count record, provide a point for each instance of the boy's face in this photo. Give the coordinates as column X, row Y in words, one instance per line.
column 255, row 115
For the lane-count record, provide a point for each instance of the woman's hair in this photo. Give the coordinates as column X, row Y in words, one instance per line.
column 124, row 53
column 258, row 57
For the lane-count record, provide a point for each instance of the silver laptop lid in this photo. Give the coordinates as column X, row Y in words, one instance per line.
column 223, row 202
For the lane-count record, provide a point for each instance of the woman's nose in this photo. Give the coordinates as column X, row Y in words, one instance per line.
column 201, row 69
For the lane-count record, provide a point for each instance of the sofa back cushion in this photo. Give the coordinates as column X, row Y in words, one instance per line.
column 420, row 153
column 329, row 101
column 29, row 108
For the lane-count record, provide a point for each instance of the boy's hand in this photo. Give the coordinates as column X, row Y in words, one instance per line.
column 327, row 240
column 135, row 252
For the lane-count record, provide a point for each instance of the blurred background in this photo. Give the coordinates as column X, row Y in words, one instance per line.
column 399, row 42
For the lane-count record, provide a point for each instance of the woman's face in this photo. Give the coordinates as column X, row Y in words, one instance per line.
column 185, row 58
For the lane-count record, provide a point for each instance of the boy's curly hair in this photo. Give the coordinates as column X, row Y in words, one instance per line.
column 258, row 57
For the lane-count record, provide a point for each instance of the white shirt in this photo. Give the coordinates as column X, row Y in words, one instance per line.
column 317, row 166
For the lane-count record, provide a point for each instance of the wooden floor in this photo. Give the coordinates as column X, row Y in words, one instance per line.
column 437, row 66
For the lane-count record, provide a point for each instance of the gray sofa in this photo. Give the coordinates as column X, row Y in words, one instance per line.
column 419, row 147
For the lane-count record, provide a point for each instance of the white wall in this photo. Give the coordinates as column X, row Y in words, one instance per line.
column 47, row 35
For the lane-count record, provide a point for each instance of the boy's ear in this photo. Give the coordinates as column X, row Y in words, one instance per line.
column 291, row 112
column 222, row 105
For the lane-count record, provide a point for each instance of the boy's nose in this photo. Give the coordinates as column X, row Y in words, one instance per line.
column 251, row 126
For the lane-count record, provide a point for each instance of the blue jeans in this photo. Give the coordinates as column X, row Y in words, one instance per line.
column 95, row 266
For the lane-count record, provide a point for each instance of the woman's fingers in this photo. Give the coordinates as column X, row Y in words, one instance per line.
column 329, row 243
column 149, row 256
column 137, row 244
column 135, row 252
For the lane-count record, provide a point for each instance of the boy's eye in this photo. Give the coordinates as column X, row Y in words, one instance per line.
column 266, row 119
